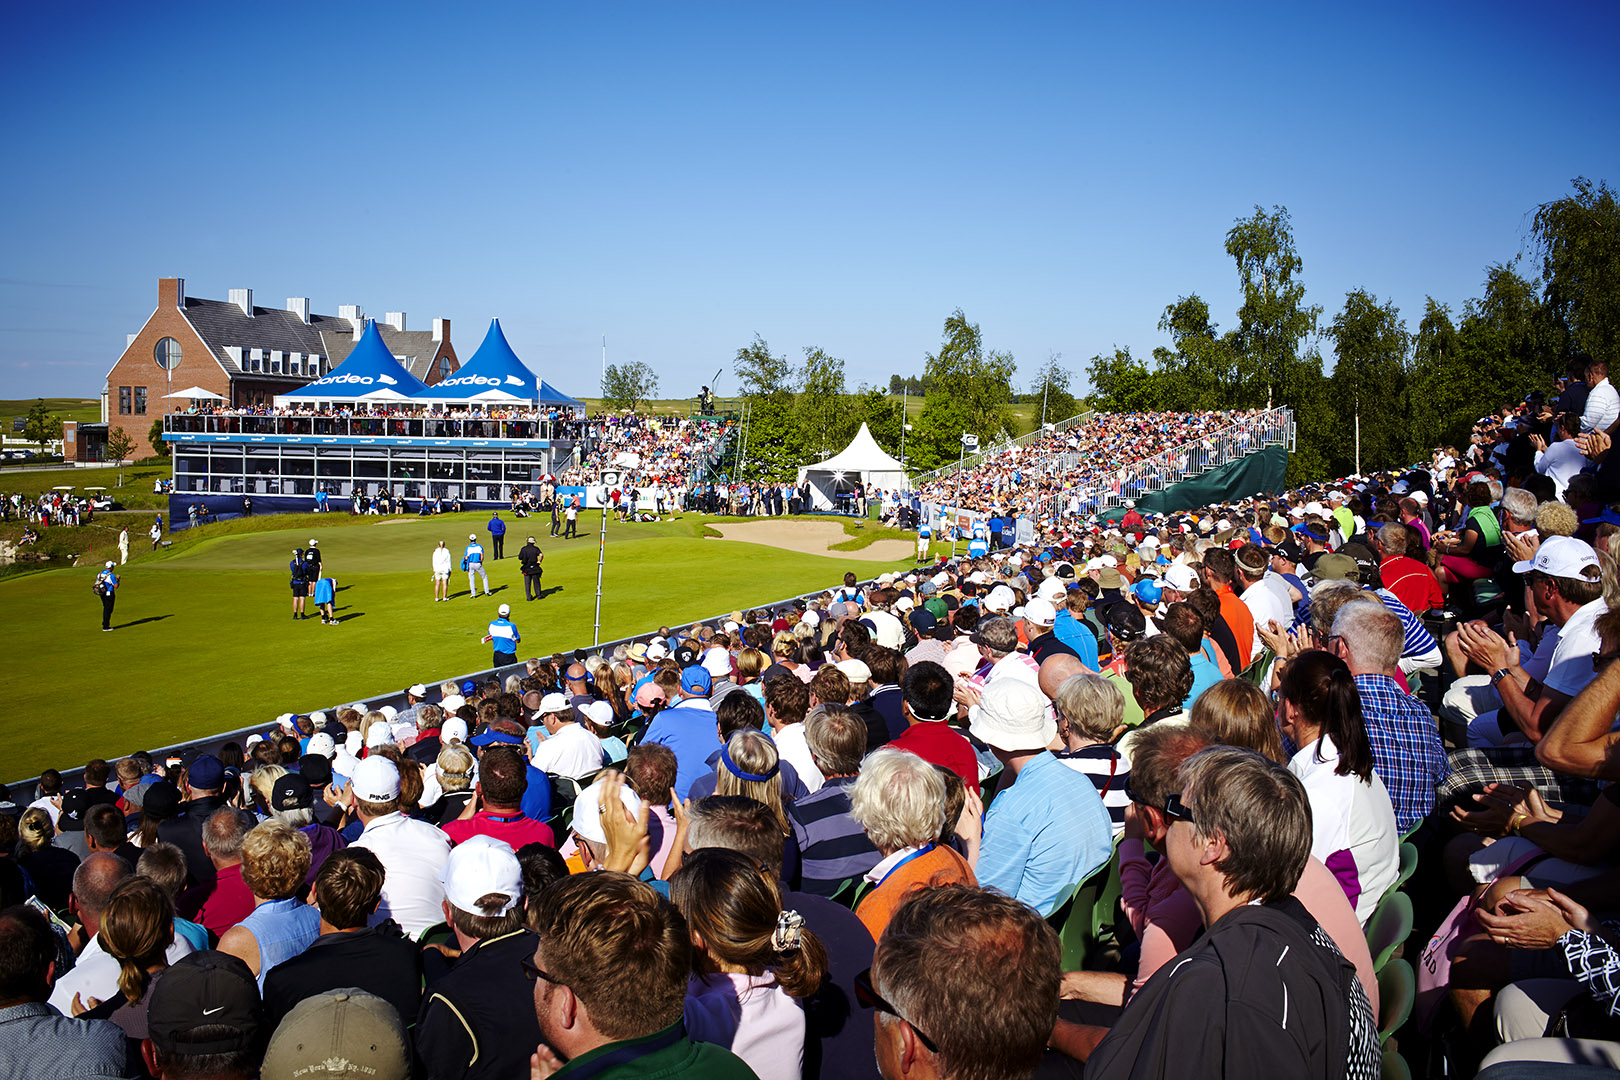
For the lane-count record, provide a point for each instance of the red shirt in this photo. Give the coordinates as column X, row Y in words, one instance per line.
column 508, row 826
column 1412, row 583
column 937, row 744
column 229, row 903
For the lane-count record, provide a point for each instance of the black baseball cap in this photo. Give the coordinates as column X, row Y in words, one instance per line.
column 316, row 769
column 212, row 991
column 291, row 792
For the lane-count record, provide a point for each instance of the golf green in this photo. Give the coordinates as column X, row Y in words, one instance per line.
column 204, row 641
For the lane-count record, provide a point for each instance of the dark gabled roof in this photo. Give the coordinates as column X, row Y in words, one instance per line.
column 221, row 324
column 414, row 348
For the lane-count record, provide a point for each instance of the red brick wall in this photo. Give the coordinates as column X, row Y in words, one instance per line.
column 138, row 367
column 445, row 349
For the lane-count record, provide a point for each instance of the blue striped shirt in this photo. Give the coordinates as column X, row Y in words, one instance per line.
column 1044, row 834
column 1407, row 752
column 832, row 847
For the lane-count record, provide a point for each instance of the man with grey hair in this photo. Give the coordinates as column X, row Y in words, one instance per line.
column 997, row 639
column 95, row 974
column 833, row 847
column 1406, row 746
column 1412, row 582
column 231, row 900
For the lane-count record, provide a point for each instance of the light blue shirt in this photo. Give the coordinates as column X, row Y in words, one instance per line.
column 504, row 635
column 1044, row 834
column 1077, row 636
column 1206, row 673
column 474, row 553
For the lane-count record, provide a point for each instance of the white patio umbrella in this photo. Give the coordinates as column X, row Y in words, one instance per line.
column 198, row 393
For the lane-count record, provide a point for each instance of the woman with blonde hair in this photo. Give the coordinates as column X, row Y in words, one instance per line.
column 753, row 962
column 1238, row 713
column 275, row 860
column 899, row 800
column 749, row 766
column 137, row 929
column 751, row 664
column 260, row 785
column 51, row 867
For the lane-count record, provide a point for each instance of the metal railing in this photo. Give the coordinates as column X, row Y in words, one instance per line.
column 400, row 427
column 1274, row 427
column 1000, row 448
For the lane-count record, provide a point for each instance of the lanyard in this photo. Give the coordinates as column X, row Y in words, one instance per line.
column 925, row 849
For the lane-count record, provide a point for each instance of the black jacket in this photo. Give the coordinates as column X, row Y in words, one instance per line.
column 185, row 832
column 478, row 1020
column 378, row 960
column 1262, row 994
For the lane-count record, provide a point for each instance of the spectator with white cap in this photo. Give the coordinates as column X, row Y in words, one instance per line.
column 570, row 748
column 467, row 1026
column 412, row 852
column 1048, row 829
column 1040, row 616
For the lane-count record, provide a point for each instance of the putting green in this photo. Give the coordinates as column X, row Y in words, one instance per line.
column 205, row 641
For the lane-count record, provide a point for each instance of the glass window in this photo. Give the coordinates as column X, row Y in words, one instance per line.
column 484, row 467
column 262, row 461
column 140, row 401
column 167, row 354
column 226, row 460
column 191, row 463
column 333, row 463
column 123, row 401
column 369, row 463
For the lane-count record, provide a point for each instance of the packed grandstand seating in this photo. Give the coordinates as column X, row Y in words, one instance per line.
column 1358, row 730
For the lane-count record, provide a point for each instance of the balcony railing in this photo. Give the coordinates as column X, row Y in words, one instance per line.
column 374, row 427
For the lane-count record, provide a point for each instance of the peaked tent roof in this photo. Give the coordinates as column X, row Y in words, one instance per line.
column 493, row 367
column 369, row 371
column 863, row 454
column 550, row 395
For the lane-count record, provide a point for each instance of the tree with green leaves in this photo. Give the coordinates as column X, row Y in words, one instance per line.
column 1050, row 391
column 970, row 391
column 155, row 437
column 1371, row 347
column 624, row 386
column 767, row 383
column 1200, row 371
column 823, row 418
column 1120, row 383
column 41, row 426
column 1579, row 240
column 1274, row 322
column 119, row 445
column 1441, row 401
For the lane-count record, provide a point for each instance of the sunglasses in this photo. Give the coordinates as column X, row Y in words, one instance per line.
column 533, row 971
column 1176, row 810
column 869, row 998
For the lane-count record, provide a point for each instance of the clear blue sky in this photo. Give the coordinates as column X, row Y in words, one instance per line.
column 680, row 176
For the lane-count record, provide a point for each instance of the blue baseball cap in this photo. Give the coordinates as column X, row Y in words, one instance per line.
column 1147, row 590
column 695, row 680
column 206, row 773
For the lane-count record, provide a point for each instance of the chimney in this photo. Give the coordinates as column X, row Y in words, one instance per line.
column 171, row 292
column 299, row 306
column 396, row 319
column 356, row 317
column 243, row 298
column 441, row 329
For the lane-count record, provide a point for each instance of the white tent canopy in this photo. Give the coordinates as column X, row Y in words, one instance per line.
column 862, row 462
column 197, row 393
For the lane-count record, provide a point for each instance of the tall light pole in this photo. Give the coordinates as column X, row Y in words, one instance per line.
column 969, row 441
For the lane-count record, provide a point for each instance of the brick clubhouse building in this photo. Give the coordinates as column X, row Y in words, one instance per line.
column 245, row 354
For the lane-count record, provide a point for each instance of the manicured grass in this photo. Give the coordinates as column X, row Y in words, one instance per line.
column 205, row 642
column 84, row 410
column 135, row 493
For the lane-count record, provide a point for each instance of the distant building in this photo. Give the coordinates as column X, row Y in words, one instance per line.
column 247, row 354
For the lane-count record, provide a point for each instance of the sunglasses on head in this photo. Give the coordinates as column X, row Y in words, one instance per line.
column 868, row 998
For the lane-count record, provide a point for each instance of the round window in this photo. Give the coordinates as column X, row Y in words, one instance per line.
column 167, row 354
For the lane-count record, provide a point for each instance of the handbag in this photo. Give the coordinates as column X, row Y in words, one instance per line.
column 1434, row 963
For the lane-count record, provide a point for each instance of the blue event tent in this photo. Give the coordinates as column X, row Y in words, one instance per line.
column 494, row 373
column 368, row 373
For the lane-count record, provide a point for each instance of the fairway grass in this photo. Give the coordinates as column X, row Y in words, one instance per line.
column 205, row 642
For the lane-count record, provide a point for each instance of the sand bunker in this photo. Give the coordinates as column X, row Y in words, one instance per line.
column 812, row 538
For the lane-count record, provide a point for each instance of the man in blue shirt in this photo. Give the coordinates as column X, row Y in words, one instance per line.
column 472, row 561
column 688, row 728
column 106, row 586
column 497, row 534
column 505, row 637
column 1048, row 831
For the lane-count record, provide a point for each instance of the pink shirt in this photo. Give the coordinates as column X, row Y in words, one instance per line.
column 1166, row 920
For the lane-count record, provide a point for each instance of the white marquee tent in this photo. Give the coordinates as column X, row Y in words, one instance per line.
column 862, row 462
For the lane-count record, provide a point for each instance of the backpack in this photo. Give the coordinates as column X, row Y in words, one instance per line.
column 98, row 587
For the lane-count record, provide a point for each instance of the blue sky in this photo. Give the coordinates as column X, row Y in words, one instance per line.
column 680, row 177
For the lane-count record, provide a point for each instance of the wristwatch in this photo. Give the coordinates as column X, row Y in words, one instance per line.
column 1498, row 675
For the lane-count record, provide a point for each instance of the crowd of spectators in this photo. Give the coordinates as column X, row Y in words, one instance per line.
column 842, row 835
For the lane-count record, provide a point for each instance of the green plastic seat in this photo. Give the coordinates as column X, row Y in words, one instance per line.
column 1409, row 861
column 1090, row 917
column 1389, row 927
column 1394, row 1067
column 1397, row 990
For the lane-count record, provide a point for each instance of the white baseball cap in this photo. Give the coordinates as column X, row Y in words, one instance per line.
column 1563, row 556
column 318, row 719
column 452, row 730
column 503, row 611
column 417, row 691
column 657, row 651
column 857, row 670
column 588, row 819
column 1001, row 599
column 381, row 733
column 452, row 702
column 599, row 713
column 389, row 713
column 375, row 779
column 1181, row 578
column 1040, row 612
column 478, row 866
column 1052, row 590
column 321, row 743
column 552, row 703
column 717, row 662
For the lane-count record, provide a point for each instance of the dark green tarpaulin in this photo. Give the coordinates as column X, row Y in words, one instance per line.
column 1259, row 473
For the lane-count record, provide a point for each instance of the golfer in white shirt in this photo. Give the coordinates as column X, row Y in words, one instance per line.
column 441, row 572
